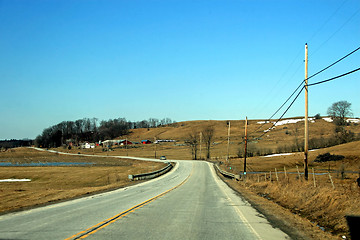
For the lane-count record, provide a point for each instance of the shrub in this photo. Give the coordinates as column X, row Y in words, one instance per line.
column 253, row 150
column 328, row 157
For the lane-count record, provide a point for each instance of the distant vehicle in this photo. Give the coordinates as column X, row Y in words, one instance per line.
column 162, row 158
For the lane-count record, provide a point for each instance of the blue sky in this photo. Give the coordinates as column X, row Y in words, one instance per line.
column 186, row 60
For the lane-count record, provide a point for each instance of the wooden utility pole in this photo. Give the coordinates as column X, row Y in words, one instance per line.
column 200, row 144
column 126, row 143
column 228, row 142
column 245, row 147
column 155, row 146
column 306, row 145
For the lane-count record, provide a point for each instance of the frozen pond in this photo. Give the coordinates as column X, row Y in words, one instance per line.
column 45, row 164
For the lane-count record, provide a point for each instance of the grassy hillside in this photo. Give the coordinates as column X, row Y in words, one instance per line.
column 282, row 138
column 180, row 130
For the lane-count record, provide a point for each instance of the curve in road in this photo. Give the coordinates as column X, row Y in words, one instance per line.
column 189, row 202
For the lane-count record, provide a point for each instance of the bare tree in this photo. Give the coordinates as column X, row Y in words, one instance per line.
column 165, row 121
column 338, row 111
column 153, row 122
column 193, row 142
column 208, row 134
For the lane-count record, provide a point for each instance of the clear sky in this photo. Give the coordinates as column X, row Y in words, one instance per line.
column 187, row 60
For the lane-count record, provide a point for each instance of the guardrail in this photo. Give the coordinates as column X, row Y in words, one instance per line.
column 151, row 175
column 227, row 174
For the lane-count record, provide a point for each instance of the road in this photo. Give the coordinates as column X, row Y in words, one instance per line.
column 190, row 202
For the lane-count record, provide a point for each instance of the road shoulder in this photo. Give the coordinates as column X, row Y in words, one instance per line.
column 293, row 225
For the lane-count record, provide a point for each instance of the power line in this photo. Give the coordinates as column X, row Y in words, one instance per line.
column 285, row 111
column 330, row 79
column 324, row 81
column 280, row 79
column 285, row 101
column 334, row 63
column 322, row 70
column 320, row 82
column 331, row 16
column 341, row 27
column 279, row 108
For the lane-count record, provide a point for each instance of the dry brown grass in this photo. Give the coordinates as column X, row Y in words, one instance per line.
column 140, row 150
column 322, row 204
column 179, row 131
column 49, row 184
column 280, row 137
column 296, row 225
column 351, row 152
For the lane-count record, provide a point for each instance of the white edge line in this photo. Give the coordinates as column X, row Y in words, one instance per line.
column 240, row 214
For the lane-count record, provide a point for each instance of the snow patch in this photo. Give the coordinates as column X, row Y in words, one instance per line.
column 15, row 180
column 263, row 122
column 279, row 154
column 350, row 120
column 327, row 119
column 353, row 120
column 284, row 122
column 287, row 121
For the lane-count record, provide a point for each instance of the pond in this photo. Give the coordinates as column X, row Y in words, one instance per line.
column 45, row 164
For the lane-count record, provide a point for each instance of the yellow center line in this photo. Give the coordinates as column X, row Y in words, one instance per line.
column 101, row 225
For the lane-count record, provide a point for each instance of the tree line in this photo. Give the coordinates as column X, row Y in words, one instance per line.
column 91, row 130
column 13, row 143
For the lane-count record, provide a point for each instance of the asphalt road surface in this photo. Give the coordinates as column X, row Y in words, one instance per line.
column 190, row 202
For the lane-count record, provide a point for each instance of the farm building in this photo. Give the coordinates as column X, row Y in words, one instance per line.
column 164, row 140
column 124, row 142
column 87, row 145
column 109, row 143
column 146, row 141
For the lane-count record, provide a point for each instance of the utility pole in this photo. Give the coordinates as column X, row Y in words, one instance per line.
column 306, row 145
column 155, row 146
column 228, row 142
column 245, row 146
column 126, row 143
column 200, row 144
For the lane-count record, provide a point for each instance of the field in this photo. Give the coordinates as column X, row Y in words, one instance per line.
column 281, row 139
column 50, row 184
column 319, row 204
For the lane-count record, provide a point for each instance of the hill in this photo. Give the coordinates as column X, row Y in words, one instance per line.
column 286, row 136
